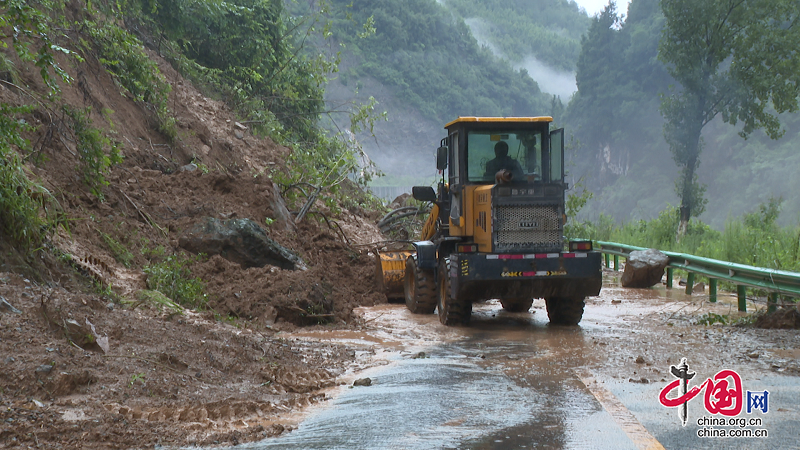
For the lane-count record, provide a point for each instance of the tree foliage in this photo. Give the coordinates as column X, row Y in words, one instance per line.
column 733, row 58
column 548, row 30
column 614, row 114
column 432, row 60
column 248, row 51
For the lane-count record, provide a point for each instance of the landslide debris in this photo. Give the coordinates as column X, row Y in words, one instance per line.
column 97, row 349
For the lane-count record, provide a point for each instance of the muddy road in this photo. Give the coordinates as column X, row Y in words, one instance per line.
column 510, row 380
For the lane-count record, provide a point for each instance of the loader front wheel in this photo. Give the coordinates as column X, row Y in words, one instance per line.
column 420, row 288
column 564, row 310
column 452, row 311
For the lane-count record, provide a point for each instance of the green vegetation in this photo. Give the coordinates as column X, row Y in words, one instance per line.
column 123, row 55
column 157, row 300
column 121, row 253
column 712, row 318
column 755, row 239
column 20, row 198
column 431, row 60
column 172, row 277
column 91, row 144
column 548, row 30
column 623, row 154
column 742, row 66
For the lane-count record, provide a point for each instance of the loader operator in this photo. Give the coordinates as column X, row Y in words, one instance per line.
column 503, row 161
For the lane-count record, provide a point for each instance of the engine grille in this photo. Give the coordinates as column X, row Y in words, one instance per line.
column 528, row 228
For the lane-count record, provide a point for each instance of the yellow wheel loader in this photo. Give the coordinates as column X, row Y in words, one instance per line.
column 496, row 227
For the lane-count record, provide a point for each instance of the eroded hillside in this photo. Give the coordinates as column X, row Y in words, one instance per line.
column 94, row 355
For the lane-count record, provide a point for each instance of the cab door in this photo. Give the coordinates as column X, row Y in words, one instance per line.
column 557, row 155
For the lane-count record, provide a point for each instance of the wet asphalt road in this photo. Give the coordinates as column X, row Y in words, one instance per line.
column 511, row 381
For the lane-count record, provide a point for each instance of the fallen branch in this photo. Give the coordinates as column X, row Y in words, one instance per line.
column 143, row 214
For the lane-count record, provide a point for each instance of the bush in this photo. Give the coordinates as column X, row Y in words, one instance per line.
column 123, row 55
column 21, row 200
column 173, row 278
column 91, row 145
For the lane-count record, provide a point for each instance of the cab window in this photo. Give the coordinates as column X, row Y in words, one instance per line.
column 517, row 151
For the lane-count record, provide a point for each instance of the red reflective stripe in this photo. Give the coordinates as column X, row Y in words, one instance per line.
column 541, row 256
column 569, row 255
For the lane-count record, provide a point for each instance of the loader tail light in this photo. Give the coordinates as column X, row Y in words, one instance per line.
column 580, row 246
column 467, row 248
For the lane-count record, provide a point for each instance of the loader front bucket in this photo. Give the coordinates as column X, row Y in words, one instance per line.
column 390, row 272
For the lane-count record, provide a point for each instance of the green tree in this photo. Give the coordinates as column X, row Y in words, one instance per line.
column 736, row 59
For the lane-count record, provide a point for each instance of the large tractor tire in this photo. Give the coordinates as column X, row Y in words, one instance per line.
column 516, row 305
column 420, row 288
column 451, row 311
column 564, row 310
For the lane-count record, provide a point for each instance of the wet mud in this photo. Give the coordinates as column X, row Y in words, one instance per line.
column 511, row 380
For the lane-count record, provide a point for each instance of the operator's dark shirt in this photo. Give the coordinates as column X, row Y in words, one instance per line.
column 504, row 162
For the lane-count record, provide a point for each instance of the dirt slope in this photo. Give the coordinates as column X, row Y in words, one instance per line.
column 226, row 375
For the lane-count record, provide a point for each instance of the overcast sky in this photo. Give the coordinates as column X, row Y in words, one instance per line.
column 595, row 6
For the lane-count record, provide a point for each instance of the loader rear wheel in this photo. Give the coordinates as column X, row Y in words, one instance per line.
column 420, row 288
column 451, row 311
column 517, row 304
column 564, row 310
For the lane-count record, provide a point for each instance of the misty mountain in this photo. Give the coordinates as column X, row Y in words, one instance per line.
column 431, row 61
column 619, row 148
column 425, row 67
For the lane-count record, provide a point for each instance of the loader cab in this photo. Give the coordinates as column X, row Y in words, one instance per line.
column 533, row 153
column 518, row 209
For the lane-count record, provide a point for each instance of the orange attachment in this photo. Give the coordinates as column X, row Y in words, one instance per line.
column 390, row 272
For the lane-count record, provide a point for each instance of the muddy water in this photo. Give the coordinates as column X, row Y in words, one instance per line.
column 513, row 381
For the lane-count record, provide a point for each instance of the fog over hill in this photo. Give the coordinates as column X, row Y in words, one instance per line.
column 432, row 65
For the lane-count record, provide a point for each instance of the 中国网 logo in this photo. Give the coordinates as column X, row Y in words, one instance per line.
column 724, row 396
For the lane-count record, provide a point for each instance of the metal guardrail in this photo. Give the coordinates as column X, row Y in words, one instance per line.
column 776, row 282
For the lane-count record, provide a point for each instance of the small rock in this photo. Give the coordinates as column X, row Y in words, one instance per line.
column 616, row 302
column 9, row 360
column 419, row 355
column 191, row 167
column 753, row 355
column 37, row 403
column 640, row 360
column 239, row 134
column 110, row 306
column 239, row 126
column 44, row 368
column 699, row 287
column 640, row 380
column 363, row 382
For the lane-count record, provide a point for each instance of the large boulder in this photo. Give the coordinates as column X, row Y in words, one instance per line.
column 644, row 268
column 242, row 241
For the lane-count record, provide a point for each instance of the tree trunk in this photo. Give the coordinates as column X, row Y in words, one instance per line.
column 688, row 193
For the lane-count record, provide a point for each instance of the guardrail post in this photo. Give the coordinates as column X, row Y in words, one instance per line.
column 712, row 290
column 608, row 260
column 669, row 277
column 689, row 283
column 772, row 303
column 616, row 263
column 742, row 293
